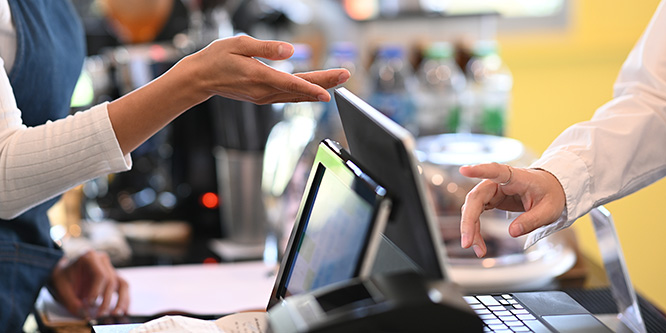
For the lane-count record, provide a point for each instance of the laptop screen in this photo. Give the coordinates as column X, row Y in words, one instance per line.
column 337, row 230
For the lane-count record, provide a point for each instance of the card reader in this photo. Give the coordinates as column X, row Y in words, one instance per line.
column 402, row 302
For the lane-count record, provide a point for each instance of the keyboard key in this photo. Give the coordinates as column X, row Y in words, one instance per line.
column 488, row 300
column 513, row 324
column 521, row 329
column 525, row 317
column 471, row 300
column 496, row 308
column 477, row 306
column 487, row 316
column 482, row 311
column 507, row 296
column 519, row 311
column 508, row 318
column 498, row 327
column 492, row 322
column 502, row 313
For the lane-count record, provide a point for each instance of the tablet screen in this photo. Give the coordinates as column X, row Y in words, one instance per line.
column 333, row 237
column 338, row 227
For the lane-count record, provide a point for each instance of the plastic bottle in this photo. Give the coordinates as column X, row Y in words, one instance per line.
column 441, row 83
column 345, row 55
column 392, row 86
column 490, row 83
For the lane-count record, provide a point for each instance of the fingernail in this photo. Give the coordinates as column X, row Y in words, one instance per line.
column 343, row 78
column 516, row 229
column 322, row 98
column 478, row 251
column 284, row 51
column 464, row 240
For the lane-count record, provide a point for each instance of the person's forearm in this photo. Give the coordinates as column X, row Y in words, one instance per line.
column 140, row 114
column 621, row 149
column 41, row 162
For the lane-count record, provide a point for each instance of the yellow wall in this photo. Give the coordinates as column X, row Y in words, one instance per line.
column 561, row 77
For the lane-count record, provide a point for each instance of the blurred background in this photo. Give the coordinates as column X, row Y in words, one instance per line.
column 474, row 81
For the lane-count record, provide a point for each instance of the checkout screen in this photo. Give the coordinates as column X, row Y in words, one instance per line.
column 333, row 239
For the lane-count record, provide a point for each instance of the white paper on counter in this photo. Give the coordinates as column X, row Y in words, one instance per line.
column 198, row 289
column 243, row 322
column 207, row 289
column 177, row 324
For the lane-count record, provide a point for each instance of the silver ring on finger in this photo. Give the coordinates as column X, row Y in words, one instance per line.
column 510, row 177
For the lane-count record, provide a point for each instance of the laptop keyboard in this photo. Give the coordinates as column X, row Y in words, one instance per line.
column 502, row 313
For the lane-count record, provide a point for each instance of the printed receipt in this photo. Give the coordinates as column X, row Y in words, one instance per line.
column 242, row 322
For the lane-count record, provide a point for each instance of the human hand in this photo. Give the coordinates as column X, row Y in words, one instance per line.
column 536, row 192
column 229, row 68
column 77, row 284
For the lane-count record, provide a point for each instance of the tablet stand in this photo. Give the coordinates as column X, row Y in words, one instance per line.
column 618, row 275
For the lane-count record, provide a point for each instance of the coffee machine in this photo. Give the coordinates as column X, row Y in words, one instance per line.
column 176, row 173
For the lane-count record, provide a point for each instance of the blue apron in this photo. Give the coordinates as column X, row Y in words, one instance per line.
column 49, row 58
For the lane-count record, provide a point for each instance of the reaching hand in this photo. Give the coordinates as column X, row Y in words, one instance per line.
column 79, row 283
column 229, row 68
column 536, row 192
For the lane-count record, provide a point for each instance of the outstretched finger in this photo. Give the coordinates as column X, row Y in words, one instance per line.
column 96, row 275
column 498, row 173
column 474, row 205
column 478, row 244
column 122, row 305
column 107, row 296
column 282, row 82
column 326, row 78
column 286, row 98
column 251, row 47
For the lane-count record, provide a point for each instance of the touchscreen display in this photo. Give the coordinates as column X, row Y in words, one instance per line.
column 334, row 236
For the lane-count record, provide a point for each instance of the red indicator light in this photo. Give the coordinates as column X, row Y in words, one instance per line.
column 210, row 200
column 158, row 53
column 210, row 260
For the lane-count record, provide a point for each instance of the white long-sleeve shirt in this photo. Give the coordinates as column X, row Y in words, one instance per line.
column 38, row 163
column 623, row 147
